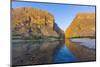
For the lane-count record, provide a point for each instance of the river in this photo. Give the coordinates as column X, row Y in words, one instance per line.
column 48, row 52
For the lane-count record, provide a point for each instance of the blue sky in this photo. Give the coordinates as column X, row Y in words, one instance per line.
column 63, row 13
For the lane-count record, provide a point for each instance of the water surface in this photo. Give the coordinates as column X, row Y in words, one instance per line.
column 63, row 54
column 40, row 52
column 47, row 52
column 88, row 42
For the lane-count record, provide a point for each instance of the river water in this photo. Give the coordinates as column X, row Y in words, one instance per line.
column 46, row 52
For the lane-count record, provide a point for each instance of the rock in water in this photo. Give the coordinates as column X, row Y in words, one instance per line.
column 83, row 25
column 32, row 22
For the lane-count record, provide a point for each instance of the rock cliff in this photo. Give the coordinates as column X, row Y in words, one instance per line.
column 33, row 22
column 83, row 25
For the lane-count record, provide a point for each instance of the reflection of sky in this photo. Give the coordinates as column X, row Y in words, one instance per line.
column 90, row 43
column 63, row 14
column 63, row 54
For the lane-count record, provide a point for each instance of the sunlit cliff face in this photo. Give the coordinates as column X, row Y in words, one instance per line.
column 83, row 25
column 36, row 22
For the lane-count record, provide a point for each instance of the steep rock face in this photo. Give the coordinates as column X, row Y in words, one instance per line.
column 82, row 26
column 34, row 22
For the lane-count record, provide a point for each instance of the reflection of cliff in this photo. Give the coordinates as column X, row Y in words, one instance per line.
column 82, row 26
column 81, row 52
column 37, row 52
column 32, row 22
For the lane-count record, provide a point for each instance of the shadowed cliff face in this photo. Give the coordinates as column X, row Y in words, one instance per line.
column 34, row 22
column 83, row 25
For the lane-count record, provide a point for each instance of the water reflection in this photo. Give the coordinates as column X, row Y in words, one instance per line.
column 63, row 54
column 37, row 52
column 82, row 52
column 44, row 52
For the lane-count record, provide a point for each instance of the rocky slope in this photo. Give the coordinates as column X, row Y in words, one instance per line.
column 32, row 22
column 83, row 25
